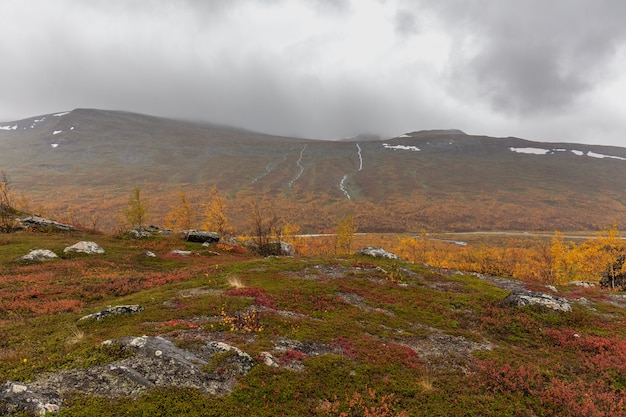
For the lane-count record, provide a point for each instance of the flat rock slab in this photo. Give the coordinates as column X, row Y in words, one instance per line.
column 156, row 362
column 525, row 298
column 90, row 248
column 37, row 222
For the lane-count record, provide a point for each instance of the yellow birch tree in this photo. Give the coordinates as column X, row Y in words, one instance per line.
column 136, row 212
column 215, row 219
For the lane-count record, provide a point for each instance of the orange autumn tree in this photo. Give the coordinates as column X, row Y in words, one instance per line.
column 182, row 216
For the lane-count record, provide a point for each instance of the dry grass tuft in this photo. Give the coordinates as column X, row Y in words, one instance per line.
column 234, row 281
column 426, row 382
column 75, row 336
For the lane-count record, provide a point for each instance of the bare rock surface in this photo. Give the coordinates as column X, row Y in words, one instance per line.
column 155, row 361
column 437, row 346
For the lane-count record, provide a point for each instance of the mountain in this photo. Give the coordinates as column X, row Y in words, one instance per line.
column 85, row 163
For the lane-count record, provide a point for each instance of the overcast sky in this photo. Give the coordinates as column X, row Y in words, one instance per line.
column 548, row 70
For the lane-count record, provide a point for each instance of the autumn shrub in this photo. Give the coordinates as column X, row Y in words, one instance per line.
column 370, row 404
column 260, row 296
column 243, row 321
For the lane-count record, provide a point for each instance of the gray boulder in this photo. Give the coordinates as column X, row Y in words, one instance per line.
column 525, row 298
column 378, row 253
column 200, row 236
column 84, row 247
column 39, row 255
column 37, row 222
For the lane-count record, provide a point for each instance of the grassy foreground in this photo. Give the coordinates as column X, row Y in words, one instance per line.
column 363, row 337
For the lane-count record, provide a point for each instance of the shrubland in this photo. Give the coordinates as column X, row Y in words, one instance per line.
column 365, row 336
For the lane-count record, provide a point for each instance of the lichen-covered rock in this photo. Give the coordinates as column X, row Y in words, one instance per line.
column 114, row 311
column 155, row 362
column 39, row 255
column 377, row 253
column 525, row 298
column 19, row 398
column 90, row 248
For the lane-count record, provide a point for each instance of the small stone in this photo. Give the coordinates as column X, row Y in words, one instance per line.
column 269, row 360
column 17, row 388
column 158, row 353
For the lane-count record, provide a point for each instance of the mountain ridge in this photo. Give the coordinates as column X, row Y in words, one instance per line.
column 441, row 179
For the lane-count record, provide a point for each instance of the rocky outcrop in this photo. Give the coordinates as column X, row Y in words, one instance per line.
column 89, row 248
column 36, row 222
column 200, row 236
column 39, row 255
column 525, row 298
column 377, row 253
column 155, row 362
column 114, row 311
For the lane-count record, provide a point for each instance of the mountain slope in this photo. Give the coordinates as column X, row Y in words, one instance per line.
column 430, row 179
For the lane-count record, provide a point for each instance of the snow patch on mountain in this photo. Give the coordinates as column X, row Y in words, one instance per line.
column 56, row 132
column 540, row 151
column 601, row 156
column 531, row 151
column 61, row 114
column 14, row 127
column 401, row 147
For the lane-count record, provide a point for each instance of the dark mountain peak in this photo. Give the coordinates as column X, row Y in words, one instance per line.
column 433, row 133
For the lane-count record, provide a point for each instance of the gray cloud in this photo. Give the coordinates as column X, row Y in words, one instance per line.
column 325, row 68
column 532, row 56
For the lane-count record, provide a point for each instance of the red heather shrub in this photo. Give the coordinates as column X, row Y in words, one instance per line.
column 292, row 355
column 261, row 298
column 371, row 350
column 582, row 398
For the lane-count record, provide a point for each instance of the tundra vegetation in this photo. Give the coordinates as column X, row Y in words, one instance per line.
column 350, row 335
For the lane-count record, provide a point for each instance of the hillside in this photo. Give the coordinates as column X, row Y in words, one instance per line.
column 221, row 332
column 90, row 160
